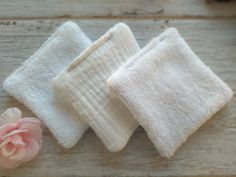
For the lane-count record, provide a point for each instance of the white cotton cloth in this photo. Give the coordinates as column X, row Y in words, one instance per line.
column 83, row 84
column 169, row 90
column 31, row 83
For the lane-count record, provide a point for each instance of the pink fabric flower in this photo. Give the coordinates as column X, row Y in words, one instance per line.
column 20, row 139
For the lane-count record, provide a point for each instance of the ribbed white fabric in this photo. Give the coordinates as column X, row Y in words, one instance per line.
column 31, row 83
column 169, row 90
column 83, row 84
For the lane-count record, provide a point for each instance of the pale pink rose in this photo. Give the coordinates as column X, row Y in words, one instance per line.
column 20, row 139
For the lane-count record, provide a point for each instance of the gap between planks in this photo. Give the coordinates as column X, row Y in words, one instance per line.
column 121, row 17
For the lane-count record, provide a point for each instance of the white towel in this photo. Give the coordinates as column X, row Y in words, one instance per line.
column 169, row 91
column 31, row 83
column 83, row 84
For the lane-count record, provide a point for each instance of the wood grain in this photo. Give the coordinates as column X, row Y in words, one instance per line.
column 18, row 9
column 211, row 151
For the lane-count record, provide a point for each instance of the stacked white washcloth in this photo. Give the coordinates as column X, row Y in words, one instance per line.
column 169, row 90
column 31, row 83
column 112, row 86
column 83, row 84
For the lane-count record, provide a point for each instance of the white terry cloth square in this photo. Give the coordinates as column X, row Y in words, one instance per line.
column 31, row 83
column 83, row 84
column 169, row 90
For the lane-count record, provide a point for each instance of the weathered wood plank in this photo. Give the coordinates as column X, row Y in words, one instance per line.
column 211, row 151
column 119, row 8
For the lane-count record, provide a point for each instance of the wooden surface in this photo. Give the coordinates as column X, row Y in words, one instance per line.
column 33, row 9
column 210, row 29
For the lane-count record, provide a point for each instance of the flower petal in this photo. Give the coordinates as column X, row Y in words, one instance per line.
column 18, row 155
column 7, row 128
column 8, row 149
column 17, row 140
column 5, row 141
column 11, row 115
column 30, row 120
column 32, row 148
column 6, row 163
column 14, row 132
column 34, row 128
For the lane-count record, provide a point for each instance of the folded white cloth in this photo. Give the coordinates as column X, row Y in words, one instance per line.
column 169, row 90
column 31, row 83
column 83, row 84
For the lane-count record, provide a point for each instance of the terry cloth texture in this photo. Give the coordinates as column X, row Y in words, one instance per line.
column 83, row 84
column 31, row 83
column 169, row 90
